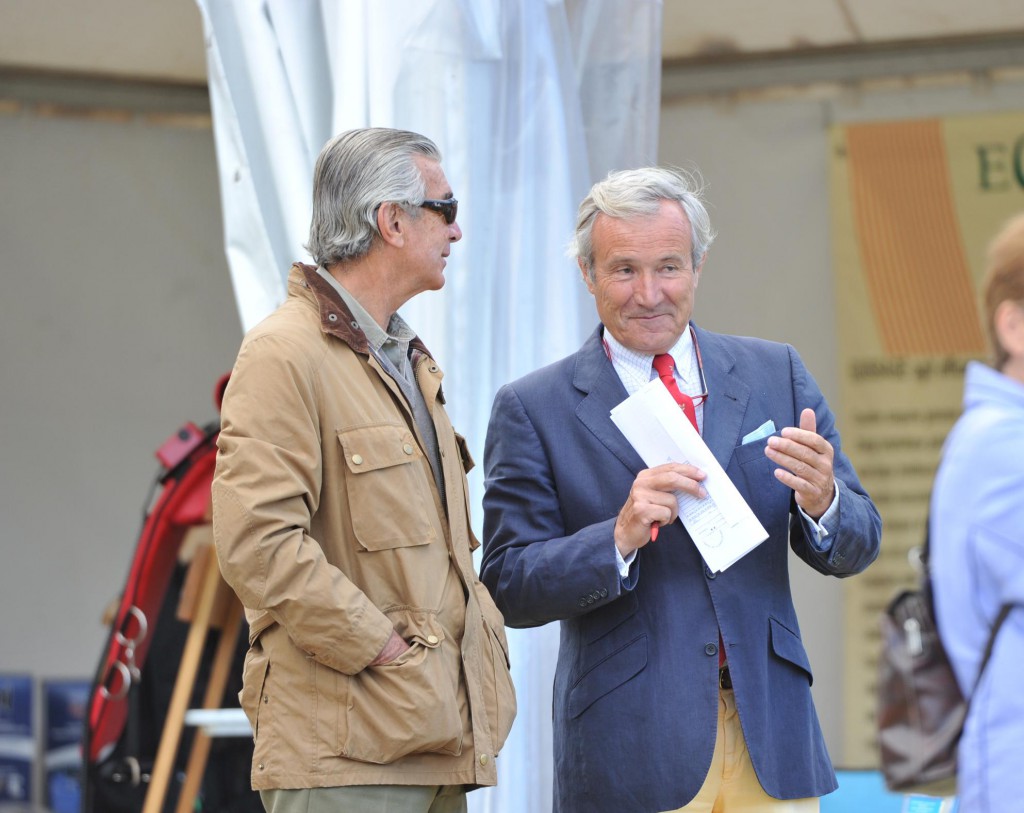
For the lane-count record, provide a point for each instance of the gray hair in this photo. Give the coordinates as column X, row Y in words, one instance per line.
column 638, row 192
column 355, row 173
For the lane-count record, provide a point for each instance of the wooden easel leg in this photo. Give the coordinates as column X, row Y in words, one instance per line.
column 183, row 685
column 214, row 699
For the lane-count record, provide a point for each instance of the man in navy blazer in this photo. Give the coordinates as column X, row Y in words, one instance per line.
column 677, row 688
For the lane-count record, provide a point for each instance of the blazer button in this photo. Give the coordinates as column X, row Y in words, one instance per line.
column 604, row 592
column 711, row 649
column 709, row 573
column 483, row 759
column 432, row 639
column 583, row 602
column 357, row 459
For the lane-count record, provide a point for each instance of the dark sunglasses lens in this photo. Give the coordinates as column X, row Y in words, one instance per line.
column 448, row 209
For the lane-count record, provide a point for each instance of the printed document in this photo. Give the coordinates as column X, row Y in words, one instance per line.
column 721, row 524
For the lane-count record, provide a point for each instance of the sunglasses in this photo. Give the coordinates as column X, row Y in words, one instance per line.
column 447, row 208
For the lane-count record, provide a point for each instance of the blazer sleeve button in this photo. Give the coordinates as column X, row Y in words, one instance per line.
column 711, row 649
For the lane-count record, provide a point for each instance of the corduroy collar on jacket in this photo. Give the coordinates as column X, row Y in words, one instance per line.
column 335, row 317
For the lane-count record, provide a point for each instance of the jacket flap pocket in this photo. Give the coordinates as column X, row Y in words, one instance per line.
column 368, row 448
column 418, row 626
column 787, row 645
column 254, row 676
column 389, row 500
column 608, row 675
column 467, row 459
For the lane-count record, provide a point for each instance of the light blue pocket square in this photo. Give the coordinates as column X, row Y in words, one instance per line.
column 763, row 431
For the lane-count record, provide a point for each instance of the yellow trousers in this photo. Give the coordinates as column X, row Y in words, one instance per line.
column 731, row 785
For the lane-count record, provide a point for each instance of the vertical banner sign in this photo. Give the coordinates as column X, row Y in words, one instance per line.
column 914, row 205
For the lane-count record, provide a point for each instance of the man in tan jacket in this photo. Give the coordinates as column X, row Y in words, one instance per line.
column 377, row 675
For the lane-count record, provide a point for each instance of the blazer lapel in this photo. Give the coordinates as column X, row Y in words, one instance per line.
column 727, row 397
column 595, row 376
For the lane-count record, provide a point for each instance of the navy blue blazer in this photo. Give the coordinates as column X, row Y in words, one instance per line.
column 636, row 692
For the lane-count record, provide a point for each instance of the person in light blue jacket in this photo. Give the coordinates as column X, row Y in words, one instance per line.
column 977, row 544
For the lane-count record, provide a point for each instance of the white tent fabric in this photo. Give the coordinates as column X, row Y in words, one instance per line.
column 530, row 102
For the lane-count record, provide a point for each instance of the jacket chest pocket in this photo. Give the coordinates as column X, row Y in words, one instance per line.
column 388, row 487
column 757, row 473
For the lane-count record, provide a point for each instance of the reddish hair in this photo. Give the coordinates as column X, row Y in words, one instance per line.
column 1004, row 279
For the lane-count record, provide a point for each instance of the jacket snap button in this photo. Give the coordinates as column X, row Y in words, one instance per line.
column 711, row 649
column 407, row 449
column 332, row 317
column 261, row 766
column 431, row 639
column 483, row 759
column 433, row 368
column 357, row 459
column 266, row 698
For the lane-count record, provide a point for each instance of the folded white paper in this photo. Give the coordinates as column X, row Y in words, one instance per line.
column 722, row 525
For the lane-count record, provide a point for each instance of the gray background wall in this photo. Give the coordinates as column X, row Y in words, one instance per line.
column 116, row 320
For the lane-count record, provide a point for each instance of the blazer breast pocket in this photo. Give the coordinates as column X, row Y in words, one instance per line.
column 753, row 451
column 756, row 471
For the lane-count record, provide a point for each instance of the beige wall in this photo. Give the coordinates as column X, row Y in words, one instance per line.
column 137, row 39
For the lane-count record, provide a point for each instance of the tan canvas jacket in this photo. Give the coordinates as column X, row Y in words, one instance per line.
column 329, row 526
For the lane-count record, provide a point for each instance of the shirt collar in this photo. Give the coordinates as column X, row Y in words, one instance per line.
column 640, row 365
column 398, row 330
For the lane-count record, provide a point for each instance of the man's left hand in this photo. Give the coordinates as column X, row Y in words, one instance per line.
column 806, row 461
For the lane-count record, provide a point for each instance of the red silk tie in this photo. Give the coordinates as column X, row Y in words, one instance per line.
column 664, row 365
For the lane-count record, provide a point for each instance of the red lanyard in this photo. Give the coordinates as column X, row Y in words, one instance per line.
column 697, row 399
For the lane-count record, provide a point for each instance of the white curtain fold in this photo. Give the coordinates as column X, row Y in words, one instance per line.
column 530, row 101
